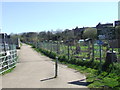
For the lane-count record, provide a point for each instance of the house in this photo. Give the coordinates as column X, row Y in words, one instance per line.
column 105, row 31
column 117, row 23
column 78, row 32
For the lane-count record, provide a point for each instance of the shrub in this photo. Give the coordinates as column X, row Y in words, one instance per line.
column 110, row 82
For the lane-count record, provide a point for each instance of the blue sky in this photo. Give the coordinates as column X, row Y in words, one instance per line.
column 18, row 17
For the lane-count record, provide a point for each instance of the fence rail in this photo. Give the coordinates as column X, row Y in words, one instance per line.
column 8, row 60
column 81, row 51
column 78, row 50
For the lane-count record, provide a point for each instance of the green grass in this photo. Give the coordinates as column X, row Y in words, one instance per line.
column 38, row 50
column 20, row 44
column 8, row 71
column 72, row 51
column 104, row 79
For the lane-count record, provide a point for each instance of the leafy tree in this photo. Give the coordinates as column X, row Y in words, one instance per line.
column 29, row 37
column 13, row 38
column 92, row 34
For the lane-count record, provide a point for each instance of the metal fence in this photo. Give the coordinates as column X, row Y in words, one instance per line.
column 8, row 60
column 78, row 50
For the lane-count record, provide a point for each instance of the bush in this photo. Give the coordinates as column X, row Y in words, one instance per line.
column 52, row 55
column 62, row 58
column 110, row 82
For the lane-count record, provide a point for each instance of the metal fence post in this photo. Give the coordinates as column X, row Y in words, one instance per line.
column 100, row 59
column 56, row 67
column 68, row 52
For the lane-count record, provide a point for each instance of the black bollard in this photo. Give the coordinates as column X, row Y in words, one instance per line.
column 56, row 67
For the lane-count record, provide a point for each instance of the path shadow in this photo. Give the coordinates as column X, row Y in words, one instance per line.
column 79, row 82
column 47, row 79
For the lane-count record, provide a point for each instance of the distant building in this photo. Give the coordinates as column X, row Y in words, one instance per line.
column 105, row 31
column 104, row 25
column 117, row 41
column 117, row 23
column 78, row 32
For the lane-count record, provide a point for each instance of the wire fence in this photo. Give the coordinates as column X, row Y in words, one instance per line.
column 82, row 50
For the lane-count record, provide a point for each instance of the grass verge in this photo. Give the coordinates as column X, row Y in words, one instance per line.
column 8, row 71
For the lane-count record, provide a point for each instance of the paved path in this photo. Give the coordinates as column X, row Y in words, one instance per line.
column 37, row 71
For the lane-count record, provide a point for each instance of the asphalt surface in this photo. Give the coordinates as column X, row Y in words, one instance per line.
column 34, row 70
